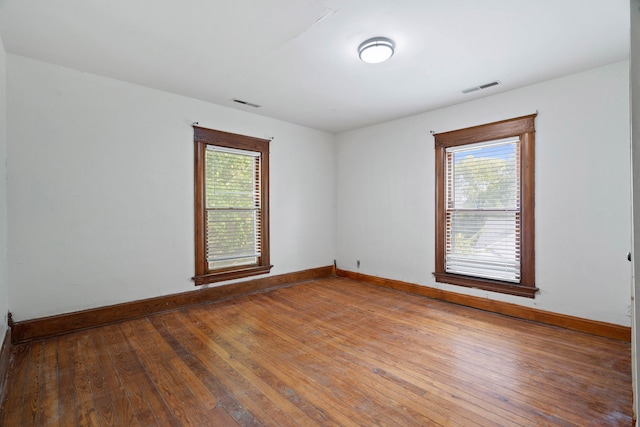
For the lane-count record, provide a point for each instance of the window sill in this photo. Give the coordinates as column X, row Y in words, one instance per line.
column 223, row 275
column 487, row 285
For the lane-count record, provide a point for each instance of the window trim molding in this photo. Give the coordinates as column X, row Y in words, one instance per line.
column 524, row 128
column 201, row 138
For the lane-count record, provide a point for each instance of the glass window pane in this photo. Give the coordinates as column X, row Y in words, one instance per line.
column 230, row 234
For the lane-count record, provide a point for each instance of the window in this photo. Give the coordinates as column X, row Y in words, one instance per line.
column 485, row 207
column 231, row 206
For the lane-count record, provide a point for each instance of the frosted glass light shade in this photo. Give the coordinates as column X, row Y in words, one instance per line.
column 376, row 50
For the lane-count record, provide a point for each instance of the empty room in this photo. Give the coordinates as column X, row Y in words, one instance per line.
column 319, row 212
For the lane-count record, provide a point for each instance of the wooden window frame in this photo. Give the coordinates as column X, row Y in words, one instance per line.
column 524, row 128
column 202, row 138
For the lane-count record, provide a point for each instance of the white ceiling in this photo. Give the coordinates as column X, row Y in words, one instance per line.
column 298, row 59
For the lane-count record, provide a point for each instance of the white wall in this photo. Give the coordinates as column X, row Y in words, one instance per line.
column 100, row 189
column 4, row 282
column 385, row 198
column 634, row 83
column 100, row 197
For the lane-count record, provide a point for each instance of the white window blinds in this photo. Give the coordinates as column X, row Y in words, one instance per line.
column 233, row 222
column 482, row 233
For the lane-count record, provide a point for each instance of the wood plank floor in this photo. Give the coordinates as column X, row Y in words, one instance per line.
column 327, row 352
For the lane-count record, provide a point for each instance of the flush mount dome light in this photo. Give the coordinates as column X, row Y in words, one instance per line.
column 375, row 50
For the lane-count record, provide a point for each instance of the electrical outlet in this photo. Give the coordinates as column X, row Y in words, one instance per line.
column 628, row 309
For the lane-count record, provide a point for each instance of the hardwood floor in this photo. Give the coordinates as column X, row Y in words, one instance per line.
column 326, row 352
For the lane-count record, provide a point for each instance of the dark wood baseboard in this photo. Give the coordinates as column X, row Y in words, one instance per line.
column 45, row 327
column 594, row 327
column 5, row 356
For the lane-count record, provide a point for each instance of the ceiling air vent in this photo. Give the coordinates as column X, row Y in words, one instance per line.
column 484, row 86
column 250, row 104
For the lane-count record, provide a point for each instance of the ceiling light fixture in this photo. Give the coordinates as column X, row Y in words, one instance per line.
column 376, row 50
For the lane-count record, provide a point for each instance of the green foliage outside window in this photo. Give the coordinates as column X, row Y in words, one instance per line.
column 484, row 186
column 232, row 203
